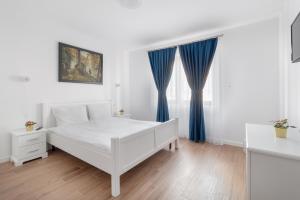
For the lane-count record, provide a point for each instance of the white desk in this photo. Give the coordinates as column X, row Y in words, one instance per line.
column 273, row 164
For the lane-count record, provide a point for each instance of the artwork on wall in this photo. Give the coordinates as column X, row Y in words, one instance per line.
column 79, row 65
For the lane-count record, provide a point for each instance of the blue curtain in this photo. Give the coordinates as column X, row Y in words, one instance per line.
column 161, row 62
column 197, row 58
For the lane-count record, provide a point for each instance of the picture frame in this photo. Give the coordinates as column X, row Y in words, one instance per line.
column 78, row 65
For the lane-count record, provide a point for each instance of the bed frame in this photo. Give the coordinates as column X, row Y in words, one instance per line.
column 126, row 152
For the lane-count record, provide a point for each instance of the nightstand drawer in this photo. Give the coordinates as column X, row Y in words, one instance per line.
column 32, row 150
column 31, row 139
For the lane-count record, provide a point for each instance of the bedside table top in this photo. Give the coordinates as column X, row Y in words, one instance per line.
column 22, row 131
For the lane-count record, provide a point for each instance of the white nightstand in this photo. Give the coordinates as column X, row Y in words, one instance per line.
column 123, row 116
column 28, row 145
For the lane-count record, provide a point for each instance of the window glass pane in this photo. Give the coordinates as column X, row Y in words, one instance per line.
column 179, row 88
column 186, row 91
column 207, row 90
column 171, row 91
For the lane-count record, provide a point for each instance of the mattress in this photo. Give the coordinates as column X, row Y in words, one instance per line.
column 98, row 133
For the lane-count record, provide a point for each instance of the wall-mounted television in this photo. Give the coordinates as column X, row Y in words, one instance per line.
column 295, row 29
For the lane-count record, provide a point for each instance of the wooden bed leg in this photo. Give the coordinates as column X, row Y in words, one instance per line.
column 115, row 185
column 177, row 143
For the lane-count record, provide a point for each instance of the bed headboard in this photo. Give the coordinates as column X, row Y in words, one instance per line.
column 48, row 118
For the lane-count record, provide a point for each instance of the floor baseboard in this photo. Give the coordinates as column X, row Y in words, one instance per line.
column 233, row 143
column 4, row 159
column 223, row 141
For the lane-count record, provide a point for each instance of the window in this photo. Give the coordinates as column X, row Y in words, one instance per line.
column 179, row 89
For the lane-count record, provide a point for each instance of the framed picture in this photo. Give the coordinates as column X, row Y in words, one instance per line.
column 79, row 65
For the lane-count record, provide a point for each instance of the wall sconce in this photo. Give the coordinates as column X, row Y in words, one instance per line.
column 20, row 78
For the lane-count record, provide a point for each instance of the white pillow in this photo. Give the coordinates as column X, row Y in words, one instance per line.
column 99, row 111
column 70, row 114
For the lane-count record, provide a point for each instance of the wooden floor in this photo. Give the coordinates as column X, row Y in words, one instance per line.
column 195, row 171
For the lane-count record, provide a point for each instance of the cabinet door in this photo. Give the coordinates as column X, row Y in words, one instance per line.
column 274, row 178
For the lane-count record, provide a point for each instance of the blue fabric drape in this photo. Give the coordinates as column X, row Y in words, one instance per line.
column 197, row 58
column 161, row 62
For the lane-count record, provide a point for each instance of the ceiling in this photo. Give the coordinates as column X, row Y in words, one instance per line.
column 154, row 20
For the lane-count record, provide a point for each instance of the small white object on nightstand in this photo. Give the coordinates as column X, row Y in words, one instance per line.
column 123, row 116
column 28, row 145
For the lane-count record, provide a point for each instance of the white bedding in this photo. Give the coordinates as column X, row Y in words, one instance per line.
column 99, row 133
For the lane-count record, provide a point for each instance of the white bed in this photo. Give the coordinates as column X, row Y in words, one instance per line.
column 114, row 145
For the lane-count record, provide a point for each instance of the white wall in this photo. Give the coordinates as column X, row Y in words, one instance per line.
column 29, row 47
column 249, row 79
column 293, row 69
column 141, row 84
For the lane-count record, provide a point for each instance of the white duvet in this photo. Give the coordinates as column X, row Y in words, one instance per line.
column 100, row 132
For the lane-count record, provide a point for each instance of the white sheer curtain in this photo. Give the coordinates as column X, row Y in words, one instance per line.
column 179, row 93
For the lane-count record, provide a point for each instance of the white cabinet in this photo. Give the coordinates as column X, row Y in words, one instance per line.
column 28, row 145
column 273, row 164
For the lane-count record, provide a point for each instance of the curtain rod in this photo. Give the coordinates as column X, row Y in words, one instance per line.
column 185, row 42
